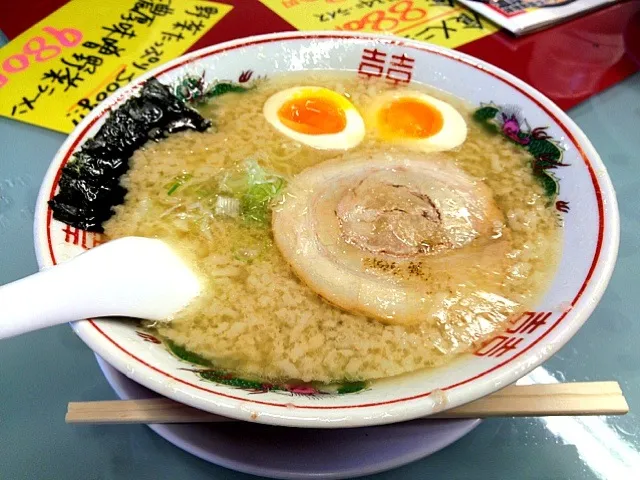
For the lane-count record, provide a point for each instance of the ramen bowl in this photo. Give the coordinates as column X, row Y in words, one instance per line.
column 583, row 199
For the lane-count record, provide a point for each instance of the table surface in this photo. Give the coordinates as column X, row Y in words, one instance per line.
column 42, row 371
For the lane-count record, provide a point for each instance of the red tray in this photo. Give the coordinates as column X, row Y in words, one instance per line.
column 569, row 62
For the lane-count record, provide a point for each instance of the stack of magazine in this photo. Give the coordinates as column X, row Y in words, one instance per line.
column 526, row 16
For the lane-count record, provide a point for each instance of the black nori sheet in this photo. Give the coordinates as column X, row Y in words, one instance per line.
column 90, row 183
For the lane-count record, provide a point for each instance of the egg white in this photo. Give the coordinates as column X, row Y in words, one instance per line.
column 454, row 127
column 350, row 137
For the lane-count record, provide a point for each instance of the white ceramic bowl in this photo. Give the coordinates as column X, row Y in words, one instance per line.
column 586, row 200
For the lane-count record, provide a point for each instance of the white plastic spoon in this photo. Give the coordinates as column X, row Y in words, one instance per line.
column 131, row 277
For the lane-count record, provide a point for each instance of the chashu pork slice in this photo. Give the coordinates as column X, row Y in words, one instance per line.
column 380, row 234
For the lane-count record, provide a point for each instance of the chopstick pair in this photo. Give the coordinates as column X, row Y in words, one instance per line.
column 558, row 399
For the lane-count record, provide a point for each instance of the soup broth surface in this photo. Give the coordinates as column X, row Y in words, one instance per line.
column 255, row 317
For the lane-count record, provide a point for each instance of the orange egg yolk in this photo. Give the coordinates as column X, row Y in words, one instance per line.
column 313, row 115
column 409, row 118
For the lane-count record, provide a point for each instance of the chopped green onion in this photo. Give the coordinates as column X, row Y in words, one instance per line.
column 178, row 182
column 227, row 206
column 255, row 188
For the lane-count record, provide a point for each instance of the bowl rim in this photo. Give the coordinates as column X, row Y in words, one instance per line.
column 342, row 416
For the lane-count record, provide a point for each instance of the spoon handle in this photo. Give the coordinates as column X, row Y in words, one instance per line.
column 47, row 298
column 130, row 277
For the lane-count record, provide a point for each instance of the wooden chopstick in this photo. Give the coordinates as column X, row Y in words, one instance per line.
column 558, row 399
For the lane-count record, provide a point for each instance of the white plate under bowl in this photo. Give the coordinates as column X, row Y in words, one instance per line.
column 586, row 202
column 280, row 452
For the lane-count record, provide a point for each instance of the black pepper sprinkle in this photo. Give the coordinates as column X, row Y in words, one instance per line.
column 383, row 265
column 415, row 269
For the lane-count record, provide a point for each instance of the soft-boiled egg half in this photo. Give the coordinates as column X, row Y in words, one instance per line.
column 316, row 116
column 416, row 120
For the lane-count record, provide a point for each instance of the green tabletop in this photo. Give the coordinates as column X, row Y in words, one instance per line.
column 40, row 372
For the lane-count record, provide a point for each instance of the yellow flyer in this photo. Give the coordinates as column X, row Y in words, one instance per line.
column 443, row 22
column 56, row 72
